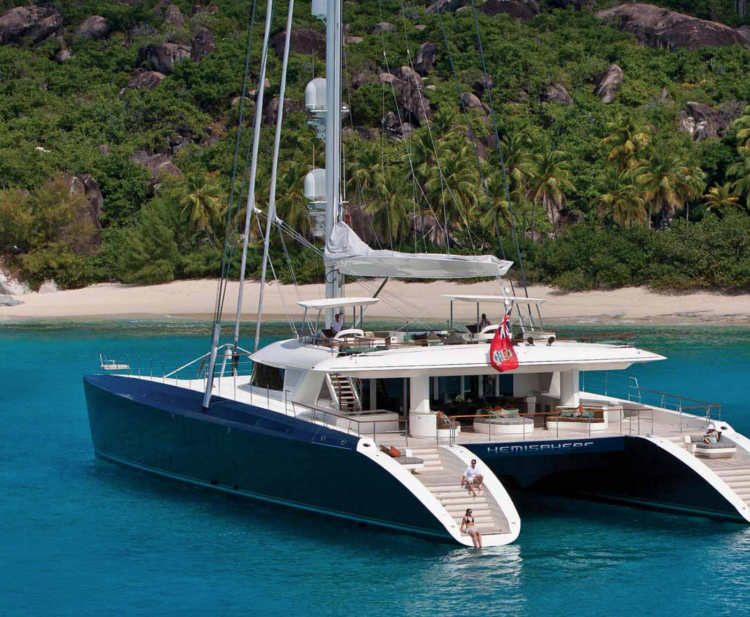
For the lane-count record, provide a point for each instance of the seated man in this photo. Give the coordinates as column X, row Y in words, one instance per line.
column 484, row 322
column 337, row 324
column 472, row 478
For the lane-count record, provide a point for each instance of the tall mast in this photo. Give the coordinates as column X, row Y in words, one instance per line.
column 333, row 140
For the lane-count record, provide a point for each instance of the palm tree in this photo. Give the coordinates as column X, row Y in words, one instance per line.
column 292, row 204
column 619, row 198
column 720, row 197
column 456, row 189
column 519, row 162
column 625, row 144
column 499, row 210
column 362, row 172
column 445, row 126
column 390, row 209
column 741, row 171
column 742, row 126
column 201, row 199
column 551, row 178
column 691, row 184
column 661, row 183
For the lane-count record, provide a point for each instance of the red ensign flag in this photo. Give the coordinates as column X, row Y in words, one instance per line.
column 502, row 355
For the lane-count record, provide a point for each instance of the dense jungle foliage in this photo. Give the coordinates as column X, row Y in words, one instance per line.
column 600, row 194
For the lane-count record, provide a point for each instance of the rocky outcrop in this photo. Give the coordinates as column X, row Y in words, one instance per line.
column 272, row 109
column 31, row 23
column 557, row 93
column 163, row 56
column 173, row 15
column 203, row 44
column 424, row 59
column 84, row 235
column 354, row 40
column 663, row 28
column 141, row 78
column 704, row 122
column 301, row 41
column 395, row 128
column 157, row 166
column 409, row 89
column 6, row 300
column 443, row 5
column 383, row 26
column 472, row 101
column 200, row 8
column 94, row 27
column 48, row 287
column 606, row 87
column 520, row 9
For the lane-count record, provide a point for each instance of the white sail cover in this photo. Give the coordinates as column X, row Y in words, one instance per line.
column 350, row 255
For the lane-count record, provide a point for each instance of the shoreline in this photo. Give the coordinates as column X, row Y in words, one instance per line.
column 194, row 300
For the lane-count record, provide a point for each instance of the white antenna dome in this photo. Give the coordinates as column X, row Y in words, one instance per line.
column 315, row 185
column 315, row 95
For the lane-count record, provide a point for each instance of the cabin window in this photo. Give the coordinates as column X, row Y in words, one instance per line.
column 270, row 377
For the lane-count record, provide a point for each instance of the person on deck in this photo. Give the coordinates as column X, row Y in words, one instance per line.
column 484, row 322
column 337, row 324
column 710, row 436
column 468, row 526
column 472, row 478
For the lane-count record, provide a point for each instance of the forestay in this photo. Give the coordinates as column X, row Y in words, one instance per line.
column 350, row 255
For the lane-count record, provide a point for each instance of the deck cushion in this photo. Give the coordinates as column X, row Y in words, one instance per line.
column 504, row 421
column 410, row 460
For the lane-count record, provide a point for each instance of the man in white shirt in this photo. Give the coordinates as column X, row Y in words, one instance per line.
column 472, row 478
column 337, row 323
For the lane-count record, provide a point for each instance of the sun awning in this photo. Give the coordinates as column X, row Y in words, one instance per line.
column 330, row 303
column 501, row 299
column 350, row 255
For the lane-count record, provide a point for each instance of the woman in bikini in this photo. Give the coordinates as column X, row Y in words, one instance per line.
column 468, row 526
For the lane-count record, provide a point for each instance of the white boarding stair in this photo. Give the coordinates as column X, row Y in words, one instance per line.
column 438, row 486
column 344, row 392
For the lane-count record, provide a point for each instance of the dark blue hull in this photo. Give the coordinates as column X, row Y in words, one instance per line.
column 247, row 451
column 629, row 470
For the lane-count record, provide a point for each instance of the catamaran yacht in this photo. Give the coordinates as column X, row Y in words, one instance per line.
column 378, row 425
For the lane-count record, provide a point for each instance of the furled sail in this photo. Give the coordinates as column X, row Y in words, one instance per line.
column 350, row 255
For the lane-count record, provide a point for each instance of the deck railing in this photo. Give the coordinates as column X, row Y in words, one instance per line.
column 627, row 387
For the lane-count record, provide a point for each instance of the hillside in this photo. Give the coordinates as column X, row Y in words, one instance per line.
column 624, row 131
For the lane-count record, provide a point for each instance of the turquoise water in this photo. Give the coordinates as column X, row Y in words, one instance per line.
column 84, row 537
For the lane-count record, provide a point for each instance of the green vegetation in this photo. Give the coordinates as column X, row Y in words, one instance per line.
column 601, row 194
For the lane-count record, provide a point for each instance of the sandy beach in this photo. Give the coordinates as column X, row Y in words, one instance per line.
column 400, row 301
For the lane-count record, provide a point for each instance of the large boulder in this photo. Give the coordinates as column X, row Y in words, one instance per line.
column 173, row 15
column 394, row 127
column 557, row 93
column 94, row 27
column 301, row 41
column 141, row 78
column 84, row 234
column 6, row 300
column 32, row 23
column 410, row 96
column 157, row 166
column 383, row 26
column 662, row 28
column 163, row 56
column 520, row 9
column 203, row 44
column 424, row 59
column 272, row 109
column 609, row 82
column 472, row 101
column 705, row 122
column 443, row 5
